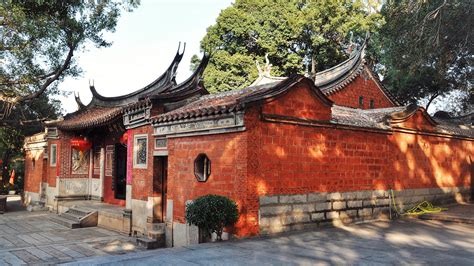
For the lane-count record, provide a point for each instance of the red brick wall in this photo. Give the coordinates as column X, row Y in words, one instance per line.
column 142, row 179
column 299, row 102
column 228, row 156
column 278, row 158
column 364, row 86
column 33, row 174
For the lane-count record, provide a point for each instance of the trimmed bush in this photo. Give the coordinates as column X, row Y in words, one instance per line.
column 212, row 213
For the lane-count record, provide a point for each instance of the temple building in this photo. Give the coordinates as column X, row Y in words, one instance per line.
column 293, row 152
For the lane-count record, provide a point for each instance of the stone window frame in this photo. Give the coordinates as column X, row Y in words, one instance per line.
column 157, row 147
column 135, row 150
column 202, row 167
column 53, row 155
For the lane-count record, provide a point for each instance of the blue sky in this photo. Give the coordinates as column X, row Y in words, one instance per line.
column 144, row 43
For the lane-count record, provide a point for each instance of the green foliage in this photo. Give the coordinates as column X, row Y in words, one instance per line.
column 291, row 32
column 212, row 213
column 426, row 50
column 39, row 39
column 195, row 61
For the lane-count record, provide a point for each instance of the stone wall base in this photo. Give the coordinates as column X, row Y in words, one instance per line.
column 280, row 213
column 116, row 221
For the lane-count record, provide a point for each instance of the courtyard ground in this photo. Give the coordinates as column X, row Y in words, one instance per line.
column 31, row 238
column 404, row 241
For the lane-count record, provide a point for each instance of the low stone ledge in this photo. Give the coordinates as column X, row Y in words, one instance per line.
column 338, row 205
column 317, row 197
column 275, row 210
column 334, row 196
column 299, row 198
column 267, row 200
column 291, row 219
column 323, row 206
column 354, row 204
column 317, row 216
column 280, row 213
column 307, row 207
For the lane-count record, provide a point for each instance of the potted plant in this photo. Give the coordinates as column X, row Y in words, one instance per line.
column 212, row 213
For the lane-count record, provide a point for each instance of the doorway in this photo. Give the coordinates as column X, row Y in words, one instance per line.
column 120, row 182
column 160, row 178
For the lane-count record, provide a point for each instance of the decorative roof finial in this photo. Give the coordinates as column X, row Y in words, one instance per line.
column 79, row 103
column 352, row 45
column 266, row 69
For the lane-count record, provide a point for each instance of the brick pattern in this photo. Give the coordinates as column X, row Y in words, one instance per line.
column 279, row 213
column 33, row 170
column 142, row 179
column 301, row 103
column 364, row 86
column 228, row 169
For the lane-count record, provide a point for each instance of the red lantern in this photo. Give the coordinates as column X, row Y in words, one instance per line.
column 124, row 138
column 80, row 144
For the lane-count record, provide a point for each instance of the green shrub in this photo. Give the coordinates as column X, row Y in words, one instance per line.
column 212, row 213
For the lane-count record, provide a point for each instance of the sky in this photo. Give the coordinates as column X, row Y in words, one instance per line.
column 144, row 43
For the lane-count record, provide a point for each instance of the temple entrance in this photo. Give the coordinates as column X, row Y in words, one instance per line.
column 160, row 177
column 120, row 182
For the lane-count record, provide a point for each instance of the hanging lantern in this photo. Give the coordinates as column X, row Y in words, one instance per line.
column 124, row 138
column 80, row 144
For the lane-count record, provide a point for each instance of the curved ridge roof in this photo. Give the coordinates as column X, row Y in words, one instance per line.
column 163, row 82
column 326, row 79
column 105, row 110
column 338, row 77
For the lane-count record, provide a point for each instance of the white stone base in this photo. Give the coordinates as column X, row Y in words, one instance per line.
column 31, row 198
column 184, row 234
column 279, row 213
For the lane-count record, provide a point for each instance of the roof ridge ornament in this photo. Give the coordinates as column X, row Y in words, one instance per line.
column 266, row 70
column 79, row 103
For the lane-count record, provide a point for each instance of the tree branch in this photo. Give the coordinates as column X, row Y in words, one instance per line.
column 52, row 79
column 12, row 123
column 434, row 96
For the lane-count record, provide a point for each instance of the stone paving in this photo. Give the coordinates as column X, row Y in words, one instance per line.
column 32, row 238
column 460, row 213
column 410, row 241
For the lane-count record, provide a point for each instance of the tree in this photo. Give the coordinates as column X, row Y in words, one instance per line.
column 39, row 40
column 13, row 133
column 293, row 33
column 426, row 51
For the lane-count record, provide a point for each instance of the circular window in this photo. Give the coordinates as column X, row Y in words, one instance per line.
column 202, row 167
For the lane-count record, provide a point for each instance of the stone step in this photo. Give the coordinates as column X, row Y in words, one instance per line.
column 66, row 222
column 156, row 234
column 71, row 216
column 150, row 243
column 79, row 211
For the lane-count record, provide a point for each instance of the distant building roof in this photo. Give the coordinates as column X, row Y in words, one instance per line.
column 238, row 100
column 103, row 110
